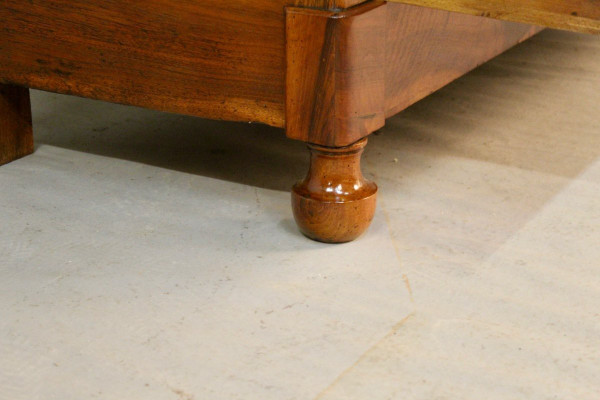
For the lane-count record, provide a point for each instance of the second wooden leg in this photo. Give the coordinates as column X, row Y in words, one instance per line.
column 16, row 133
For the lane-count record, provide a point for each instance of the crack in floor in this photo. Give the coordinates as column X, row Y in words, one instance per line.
column 363, row 356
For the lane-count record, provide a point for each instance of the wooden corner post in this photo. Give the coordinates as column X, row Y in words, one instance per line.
column 335, row 73
column 335, row 97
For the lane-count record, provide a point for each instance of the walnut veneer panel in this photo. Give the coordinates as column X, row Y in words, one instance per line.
column 214, row 58
column 428, row 48
column 225, row 59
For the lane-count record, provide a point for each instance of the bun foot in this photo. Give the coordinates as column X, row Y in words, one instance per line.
column 334, row 203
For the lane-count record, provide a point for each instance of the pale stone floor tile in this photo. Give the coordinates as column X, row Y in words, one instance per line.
column 122, row 280
column 526, row 325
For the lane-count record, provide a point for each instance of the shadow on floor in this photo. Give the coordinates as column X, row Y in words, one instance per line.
column 474, row 117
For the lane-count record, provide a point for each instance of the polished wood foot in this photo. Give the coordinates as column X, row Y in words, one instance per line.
column 16, row 134
column 334, row 203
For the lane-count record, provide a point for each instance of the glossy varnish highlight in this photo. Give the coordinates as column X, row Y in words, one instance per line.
column 334, row 203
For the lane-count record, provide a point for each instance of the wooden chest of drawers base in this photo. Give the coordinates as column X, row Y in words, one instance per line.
column 328, row 72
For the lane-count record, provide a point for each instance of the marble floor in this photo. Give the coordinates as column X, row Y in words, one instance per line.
column 153, row 256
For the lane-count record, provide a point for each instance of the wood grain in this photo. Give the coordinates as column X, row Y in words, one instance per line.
column 575, row 15
column 334, row 203
column 226, row 59
column 221, row 59
column 16, row 135
column 334, row 5
column 427, row 49
column 335, row 74
column 335, row 90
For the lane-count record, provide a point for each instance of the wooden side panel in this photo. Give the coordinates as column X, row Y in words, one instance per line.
column 221, row 59
column 326, row 4
column 575, row 15
column 428, row 48
column 335, row 74
column 361, row 75
column 16, row 135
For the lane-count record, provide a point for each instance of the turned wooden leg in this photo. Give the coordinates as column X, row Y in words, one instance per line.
column 16, row 133
column 334, row 203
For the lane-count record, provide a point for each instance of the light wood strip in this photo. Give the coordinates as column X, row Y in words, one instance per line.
column 573, row 15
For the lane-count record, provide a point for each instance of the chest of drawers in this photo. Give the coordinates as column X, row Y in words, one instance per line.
column 327, row 71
